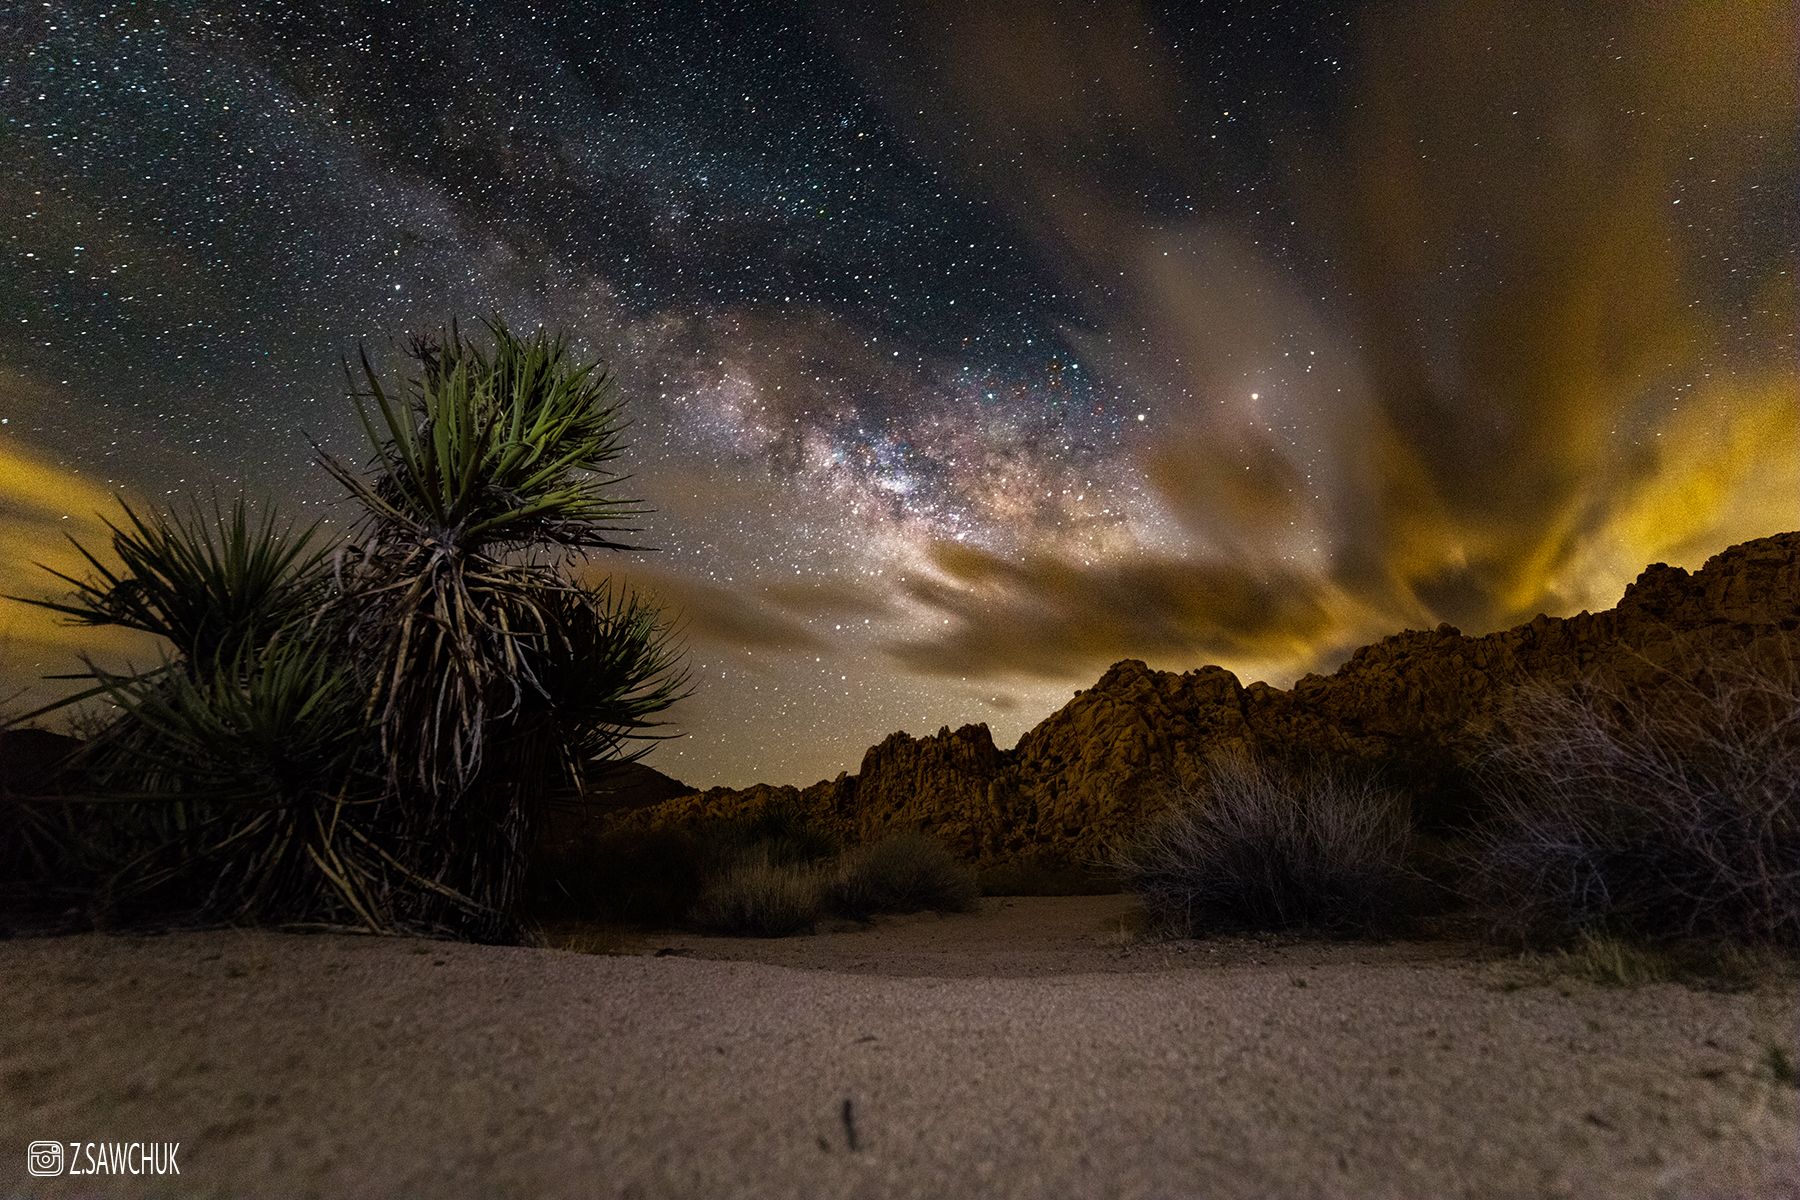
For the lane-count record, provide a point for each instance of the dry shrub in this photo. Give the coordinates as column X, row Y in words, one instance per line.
column 783, row 830
column 653, row 877
column 901, row 873
column 758, row 896
column 1668, row 811
column 1261, row 846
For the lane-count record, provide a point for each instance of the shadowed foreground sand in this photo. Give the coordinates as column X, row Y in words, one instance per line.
column 339, row 1066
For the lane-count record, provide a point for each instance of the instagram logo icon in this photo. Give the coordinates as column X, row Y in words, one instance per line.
column 44, row 1158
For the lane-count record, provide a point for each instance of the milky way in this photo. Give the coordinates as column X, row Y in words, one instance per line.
column 970, row 346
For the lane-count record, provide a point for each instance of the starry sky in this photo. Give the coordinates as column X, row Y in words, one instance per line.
column 971, row 345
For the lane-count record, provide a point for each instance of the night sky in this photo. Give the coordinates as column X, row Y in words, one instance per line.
column 971, row 346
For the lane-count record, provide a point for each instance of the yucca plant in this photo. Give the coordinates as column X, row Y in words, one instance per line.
column 487, row 460
column 234, row 789
column 490, row 672
column 612, row 668
column 193, row 783
column 213, row 584
column 365, row 733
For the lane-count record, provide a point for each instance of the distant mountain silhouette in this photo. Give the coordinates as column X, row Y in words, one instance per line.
column 621, row 786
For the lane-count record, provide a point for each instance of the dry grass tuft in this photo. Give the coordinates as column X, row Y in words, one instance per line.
column 901, row 873
column 1779, row 1062
column 1709, row 965
column 1614, row 962
column 759, row 896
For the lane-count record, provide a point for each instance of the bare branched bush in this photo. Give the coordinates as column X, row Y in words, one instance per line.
column 1259, row 846
column 1669, row 811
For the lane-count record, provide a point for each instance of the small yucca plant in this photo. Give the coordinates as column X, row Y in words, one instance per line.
column 196, row 787
column 234, row 790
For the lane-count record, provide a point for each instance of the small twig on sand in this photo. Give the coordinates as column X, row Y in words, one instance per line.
column 848, row 1113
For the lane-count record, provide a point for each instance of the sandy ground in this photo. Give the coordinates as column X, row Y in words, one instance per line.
column 1014, row 937
column 340, row 1066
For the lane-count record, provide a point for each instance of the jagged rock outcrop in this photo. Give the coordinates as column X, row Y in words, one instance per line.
column 1414, row 705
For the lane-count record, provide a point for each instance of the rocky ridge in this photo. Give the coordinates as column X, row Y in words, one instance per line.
column 1414, row 705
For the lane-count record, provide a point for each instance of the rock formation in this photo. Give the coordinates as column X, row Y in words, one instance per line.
column 1413, row 706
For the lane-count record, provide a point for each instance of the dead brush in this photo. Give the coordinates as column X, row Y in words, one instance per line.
column 1257, row 846
column 1669, row 811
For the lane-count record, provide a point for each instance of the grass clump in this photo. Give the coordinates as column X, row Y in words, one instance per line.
column 1737, row 967
column 1615, row 962
column 902, row 872
column 1669, row 812
column 1708, row 965
column 653, row 877
column 758, row 896
column 1258, row 846
column 766, row 874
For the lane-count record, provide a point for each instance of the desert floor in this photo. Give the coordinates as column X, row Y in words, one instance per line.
column 1028, row 1050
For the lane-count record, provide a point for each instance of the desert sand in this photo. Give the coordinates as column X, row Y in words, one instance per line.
column 884, row 1062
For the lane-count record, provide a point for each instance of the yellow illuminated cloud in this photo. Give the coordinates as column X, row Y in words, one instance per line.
column 43, row 505
column 1534, row 373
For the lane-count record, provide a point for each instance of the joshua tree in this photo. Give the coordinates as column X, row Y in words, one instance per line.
column 364, row 734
